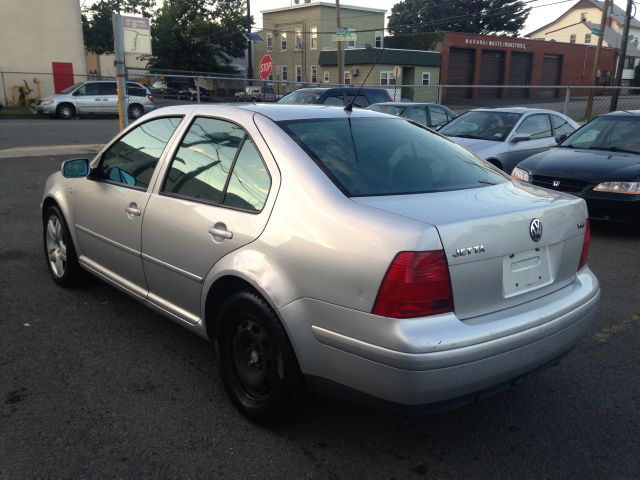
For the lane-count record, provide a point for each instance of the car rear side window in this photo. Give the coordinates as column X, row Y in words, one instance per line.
column 218, row 163
column 131, row 160
column 388, row 156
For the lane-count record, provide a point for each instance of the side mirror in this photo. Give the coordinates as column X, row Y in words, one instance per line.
column 560, row 138
column 76, row 168
column 521, row 137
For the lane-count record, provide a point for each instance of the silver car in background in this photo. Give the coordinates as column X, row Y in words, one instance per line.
column 349, row 251
column 506, row 136
column 96, row 97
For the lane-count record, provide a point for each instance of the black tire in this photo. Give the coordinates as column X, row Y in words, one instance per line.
column 59, row 250
column 136, row 111
column 66, row 111
column 257, row 365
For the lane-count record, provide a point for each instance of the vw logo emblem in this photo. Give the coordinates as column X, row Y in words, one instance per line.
column 556, row 183
column 535, row 229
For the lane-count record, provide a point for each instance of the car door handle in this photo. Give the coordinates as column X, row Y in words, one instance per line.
column 221, row 232
column 133, row 209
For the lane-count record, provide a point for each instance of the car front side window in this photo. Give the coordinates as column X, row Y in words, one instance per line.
column 132, row 159
column 537, row 126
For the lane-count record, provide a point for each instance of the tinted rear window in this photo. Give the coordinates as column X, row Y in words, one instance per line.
column 388, row 156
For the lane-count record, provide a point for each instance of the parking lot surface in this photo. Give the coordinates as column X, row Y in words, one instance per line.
column 94, row 384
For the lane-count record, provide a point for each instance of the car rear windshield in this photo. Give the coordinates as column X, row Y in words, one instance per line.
column 390, row 109
column 388, row 156
column 301, row 98
column 613, row 133
column 482, row 125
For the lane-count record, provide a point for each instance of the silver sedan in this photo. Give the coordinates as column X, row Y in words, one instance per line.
column 349, row 251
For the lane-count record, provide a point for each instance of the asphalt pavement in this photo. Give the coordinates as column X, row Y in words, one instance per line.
column 94, row 385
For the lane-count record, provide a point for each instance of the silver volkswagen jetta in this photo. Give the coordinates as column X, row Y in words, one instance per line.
column 330, row 248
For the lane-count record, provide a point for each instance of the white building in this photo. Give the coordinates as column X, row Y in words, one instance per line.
column 41, row 43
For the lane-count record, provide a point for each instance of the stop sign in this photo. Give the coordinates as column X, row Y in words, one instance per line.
column 266, row 67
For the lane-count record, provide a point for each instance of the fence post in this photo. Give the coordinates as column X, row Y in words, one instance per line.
column 197, row 90
column 567, row 99
column 439, row 100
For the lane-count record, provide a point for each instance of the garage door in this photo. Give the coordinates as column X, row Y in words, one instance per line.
column 491, row 73
column 551, row 70
column 461, row 65
column 520, row 74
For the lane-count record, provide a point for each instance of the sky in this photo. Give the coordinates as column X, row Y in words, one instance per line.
column 540, row 15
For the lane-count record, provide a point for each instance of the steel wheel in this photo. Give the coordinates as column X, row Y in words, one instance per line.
column 66, row 111
column 56, row 247
column 136, row 111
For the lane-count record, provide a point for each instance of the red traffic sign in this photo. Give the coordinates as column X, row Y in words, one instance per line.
column 266, row 67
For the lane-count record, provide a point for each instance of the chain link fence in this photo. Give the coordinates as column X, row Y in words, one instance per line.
column 176, row 87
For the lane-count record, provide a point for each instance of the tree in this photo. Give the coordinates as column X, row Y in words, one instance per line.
column 201, row 35
column 96, row 21
column 469, row 16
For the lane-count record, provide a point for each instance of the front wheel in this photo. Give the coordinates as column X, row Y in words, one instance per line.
column 66, row 111
column 258, row 367
column 60, row 253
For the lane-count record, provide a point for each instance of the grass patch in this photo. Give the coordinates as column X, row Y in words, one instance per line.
column 17, row 112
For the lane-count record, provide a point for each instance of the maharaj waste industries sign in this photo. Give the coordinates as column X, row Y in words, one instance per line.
column 137, row 35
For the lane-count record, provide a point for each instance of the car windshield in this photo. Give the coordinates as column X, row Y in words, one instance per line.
column 390, row 109
column 71, row 88
column 388, row 156
column 613, row 133
column 483, row 125
column 298, row 98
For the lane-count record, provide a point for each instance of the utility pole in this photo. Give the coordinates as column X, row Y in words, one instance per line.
column 121, row 71
column 340, row 50
column 596, row 59
column 623, row 53
column 249, row 44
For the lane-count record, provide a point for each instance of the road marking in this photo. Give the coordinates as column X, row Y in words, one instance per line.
column 51, row 150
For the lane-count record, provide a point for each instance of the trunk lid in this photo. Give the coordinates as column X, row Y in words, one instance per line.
column 493, row 260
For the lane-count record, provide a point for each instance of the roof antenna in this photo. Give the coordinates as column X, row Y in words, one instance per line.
column 367, row 46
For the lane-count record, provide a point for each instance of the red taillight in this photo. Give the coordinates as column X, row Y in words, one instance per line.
column 417, row 284
column 151, row 98
column 585, row 245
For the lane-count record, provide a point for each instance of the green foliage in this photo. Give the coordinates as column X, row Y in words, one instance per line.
column 96, row 21
column 470, row 16
column 418, row 41
column 201, row 35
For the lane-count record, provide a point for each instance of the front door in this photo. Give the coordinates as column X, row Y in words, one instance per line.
column 88, row 99
column 111, row 204
column 541, row 139
column 211, row 202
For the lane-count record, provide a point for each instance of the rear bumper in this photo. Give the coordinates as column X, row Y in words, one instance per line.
column 435, row 359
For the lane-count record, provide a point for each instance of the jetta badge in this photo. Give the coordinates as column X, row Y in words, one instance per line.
column 556, row 183
column 535, row 229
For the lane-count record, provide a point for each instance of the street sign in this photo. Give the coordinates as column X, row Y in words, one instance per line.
column 596, row 31
column 137, row 35
column 396, row 72
column 266, row 67
column 253, row 37
column 352, row 37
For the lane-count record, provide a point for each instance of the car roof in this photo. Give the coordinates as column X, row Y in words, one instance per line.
column 275, row 111
column 342, row 89
column 624, row 113
column 518, row 110
column 408, row 104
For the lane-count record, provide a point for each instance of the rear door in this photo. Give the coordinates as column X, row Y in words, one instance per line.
column 213, row 200
column 109, row 94
column 110, row 206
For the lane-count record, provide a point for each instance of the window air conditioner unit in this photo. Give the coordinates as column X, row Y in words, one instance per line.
column 354, row 71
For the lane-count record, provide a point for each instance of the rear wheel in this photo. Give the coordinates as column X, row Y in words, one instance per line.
column 136, row 111
column 257, row 364
column 66, row 111
column 60, row 253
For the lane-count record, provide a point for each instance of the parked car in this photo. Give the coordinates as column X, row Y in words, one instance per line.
column 429, row 114
column 338, row 96
column 600, row 163
column 506, row 136
column 257, row 94
column 96, row 97
column 351, row 249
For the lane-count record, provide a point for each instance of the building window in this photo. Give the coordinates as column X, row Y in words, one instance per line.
column 352, row 43
column 426, row 78
column 326, row 77
column 629, row 62
column 378, row 39
column 284, row 74
column 283, row 41
column 269, row 42
column 587, row 38
column 583, row 17
column 387, row 78
column 298, row 73
column 572, row 38
column 298, row 38
column 314, row 74
column 314, row 38
column 347, row 78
